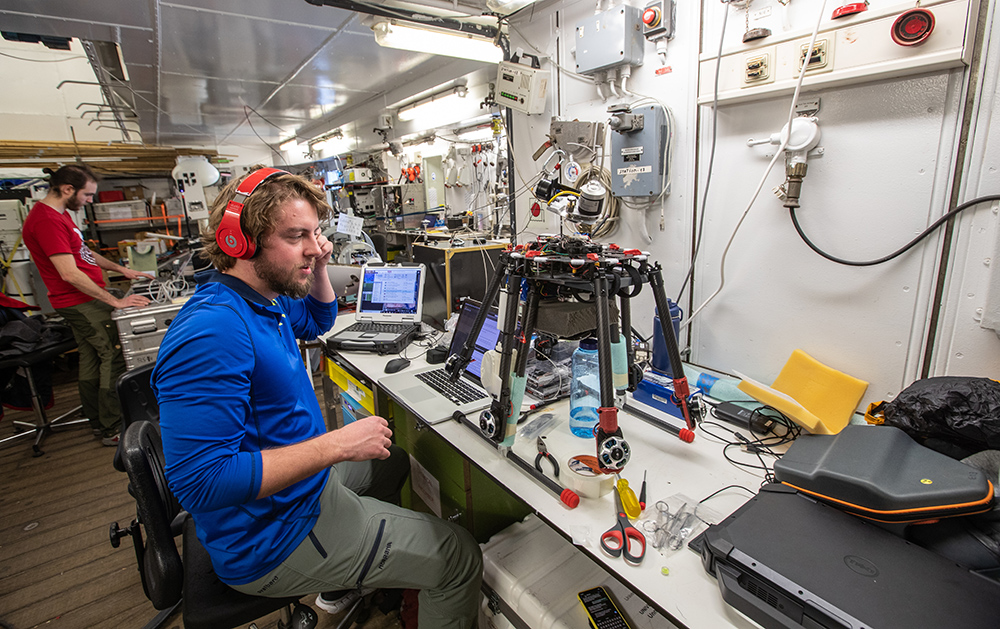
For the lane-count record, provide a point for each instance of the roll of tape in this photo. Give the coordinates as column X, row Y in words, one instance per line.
column 584, row 477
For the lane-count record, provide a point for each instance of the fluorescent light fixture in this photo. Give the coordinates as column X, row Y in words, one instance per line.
column 439, row 102
column 506, row 7
column 478, row 134
column 334, row 145
column 289, row 145
column 394, row 34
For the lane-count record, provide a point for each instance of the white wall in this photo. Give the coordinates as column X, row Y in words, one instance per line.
column 886, row 172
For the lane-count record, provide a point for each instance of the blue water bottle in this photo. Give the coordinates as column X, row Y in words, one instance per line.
column 585, row 390
column 661, row 360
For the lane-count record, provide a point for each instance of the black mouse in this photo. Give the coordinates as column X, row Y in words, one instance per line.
column 396, row 364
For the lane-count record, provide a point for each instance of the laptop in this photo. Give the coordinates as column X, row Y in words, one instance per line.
column 430, row 394
column 786, row 561
column 389, row 307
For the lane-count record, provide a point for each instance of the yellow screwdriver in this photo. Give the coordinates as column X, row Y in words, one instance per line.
column 629, row 502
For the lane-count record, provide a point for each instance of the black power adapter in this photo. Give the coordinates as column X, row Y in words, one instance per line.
column 744, row 418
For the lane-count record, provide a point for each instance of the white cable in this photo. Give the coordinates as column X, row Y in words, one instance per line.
column 612, row 87
column 778, row 153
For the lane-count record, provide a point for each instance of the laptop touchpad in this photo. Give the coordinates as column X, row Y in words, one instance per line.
column 418, row 394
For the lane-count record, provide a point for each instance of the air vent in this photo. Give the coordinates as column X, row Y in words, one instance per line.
column 760, row 592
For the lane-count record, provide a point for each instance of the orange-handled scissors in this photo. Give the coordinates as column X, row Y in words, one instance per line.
column 619, row 539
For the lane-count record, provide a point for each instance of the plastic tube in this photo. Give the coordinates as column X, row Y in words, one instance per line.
column 718, row 387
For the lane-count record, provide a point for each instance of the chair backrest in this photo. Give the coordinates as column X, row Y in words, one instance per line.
column 160, row 563
column 135, row 393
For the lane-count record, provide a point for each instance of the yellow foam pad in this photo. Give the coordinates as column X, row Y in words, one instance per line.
column 816, row 397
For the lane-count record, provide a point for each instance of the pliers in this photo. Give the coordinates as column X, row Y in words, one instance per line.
column 543, row 452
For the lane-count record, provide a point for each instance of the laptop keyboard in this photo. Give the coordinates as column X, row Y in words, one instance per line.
column 459, row 392
column 395, row 328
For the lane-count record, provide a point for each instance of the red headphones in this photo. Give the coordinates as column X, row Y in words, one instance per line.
column 229, row 235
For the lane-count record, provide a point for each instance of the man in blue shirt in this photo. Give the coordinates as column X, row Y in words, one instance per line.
column 284, row 507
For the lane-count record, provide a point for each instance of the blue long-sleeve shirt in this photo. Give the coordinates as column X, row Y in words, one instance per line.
column 230, row 382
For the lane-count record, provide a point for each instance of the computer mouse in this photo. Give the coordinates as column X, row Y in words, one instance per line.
column 396, row 364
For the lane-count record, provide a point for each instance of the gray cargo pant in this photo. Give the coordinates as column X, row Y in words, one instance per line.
column 360, row 541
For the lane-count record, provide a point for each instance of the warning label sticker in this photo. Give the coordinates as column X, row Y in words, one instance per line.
column 635, row 170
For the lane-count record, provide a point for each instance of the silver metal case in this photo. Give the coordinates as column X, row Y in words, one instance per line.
column 141, row 331
column 609, row 39
column 638, row 157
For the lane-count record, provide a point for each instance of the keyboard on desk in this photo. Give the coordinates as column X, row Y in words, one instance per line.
column 459, row 392
column 365, row 326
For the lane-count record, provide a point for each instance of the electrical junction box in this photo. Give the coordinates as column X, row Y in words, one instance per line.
column 522, row 88
column 638, row 156
column 609, row 40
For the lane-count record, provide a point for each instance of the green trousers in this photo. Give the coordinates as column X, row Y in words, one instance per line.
column 360, row 541
column 101, row 362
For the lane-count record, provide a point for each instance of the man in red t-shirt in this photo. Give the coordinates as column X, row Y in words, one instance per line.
column 72, row 275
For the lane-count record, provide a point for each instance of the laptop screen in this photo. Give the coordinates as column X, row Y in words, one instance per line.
column 390, row 293
column 486, row 340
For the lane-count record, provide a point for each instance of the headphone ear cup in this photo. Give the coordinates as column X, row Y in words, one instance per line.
column 229, row 235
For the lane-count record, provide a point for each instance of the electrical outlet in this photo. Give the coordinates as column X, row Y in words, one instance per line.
column 821, row 59
column 758, row 69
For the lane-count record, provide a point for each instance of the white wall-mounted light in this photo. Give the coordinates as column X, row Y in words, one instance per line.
column 506, row 7
column 289, row 145
column 435, row 41
column 441, row 102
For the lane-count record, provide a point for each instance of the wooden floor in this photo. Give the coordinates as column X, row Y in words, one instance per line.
column 57, row 566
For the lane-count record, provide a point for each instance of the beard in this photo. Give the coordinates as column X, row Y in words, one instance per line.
column 73, row 204
column 282, row 280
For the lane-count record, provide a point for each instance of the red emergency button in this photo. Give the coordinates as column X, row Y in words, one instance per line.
column 849, row 9
column 913, row 27
column 651, row 17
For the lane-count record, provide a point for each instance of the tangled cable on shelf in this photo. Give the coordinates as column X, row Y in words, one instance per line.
column 163, row 292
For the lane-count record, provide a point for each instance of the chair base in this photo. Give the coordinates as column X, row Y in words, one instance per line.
column 42, row 429
column 161, row 618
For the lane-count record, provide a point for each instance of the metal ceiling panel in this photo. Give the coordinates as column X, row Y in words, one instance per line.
column 74, row 14
column 138, row 46
column 285, row 11
column 194, row 64
column 368, row 68
column 221, row 46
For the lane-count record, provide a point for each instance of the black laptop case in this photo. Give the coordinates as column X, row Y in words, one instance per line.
column 787, row 561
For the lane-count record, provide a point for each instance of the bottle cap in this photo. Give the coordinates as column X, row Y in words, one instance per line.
column 589, row 344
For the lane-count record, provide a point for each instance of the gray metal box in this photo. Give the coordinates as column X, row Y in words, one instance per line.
column 119, row 210
column 141, row 330
column 402, row 206
column 638, row 157
column 609, row 39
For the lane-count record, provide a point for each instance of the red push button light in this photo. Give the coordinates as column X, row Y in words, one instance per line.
column 849, row 9
column 651, row 17
column 913, row 27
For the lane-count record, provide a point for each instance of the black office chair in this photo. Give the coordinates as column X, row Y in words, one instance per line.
column 43, row 425
column 167, row 580
column 138, row 403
